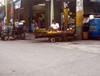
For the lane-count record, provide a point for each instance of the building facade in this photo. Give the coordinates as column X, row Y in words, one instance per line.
column 51, row 9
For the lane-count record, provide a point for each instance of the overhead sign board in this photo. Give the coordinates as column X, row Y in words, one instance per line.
column 17, row 4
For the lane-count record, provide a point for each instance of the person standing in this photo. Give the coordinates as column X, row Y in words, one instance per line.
column 35, row 24
column 41, row 22
column 86, row 23
column 16, row 23
column 32, row 25
column 85, row 27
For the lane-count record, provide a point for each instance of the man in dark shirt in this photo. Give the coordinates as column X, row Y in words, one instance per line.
column 41, row 22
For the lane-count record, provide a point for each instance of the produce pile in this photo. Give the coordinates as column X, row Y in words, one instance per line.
column 54, row 31
column 70, row 30
column 43, row 30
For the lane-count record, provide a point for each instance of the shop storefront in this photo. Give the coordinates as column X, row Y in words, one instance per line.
column 54, row 9
column 35, row 8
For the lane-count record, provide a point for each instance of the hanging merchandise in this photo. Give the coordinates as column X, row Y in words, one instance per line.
column 65, row 15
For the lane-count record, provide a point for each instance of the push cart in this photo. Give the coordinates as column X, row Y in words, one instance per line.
column 56, row 36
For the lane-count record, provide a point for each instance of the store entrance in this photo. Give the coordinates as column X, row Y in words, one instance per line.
column 39, row 10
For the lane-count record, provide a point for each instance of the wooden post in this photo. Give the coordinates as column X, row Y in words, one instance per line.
column 6, row 11
column 52, row 10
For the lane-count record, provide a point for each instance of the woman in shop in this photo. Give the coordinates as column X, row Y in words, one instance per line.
column 34, row 25
column 30, row 24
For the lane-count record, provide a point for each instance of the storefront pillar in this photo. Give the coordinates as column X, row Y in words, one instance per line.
column 6, row 11
column 79, row 18
column 53, row 11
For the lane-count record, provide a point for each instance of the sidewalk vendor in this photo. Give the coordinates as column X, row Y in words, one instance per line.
column 54, row 25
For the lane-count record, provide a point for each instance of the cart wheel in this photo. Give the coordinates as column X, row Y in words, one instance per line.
column 4, row 38
column 22, row 36
column 52, row 39
column 15, row 35
column 2, row 35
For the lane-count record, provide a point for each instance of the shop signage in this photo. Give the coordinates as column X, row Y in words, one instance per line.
column 47, row 0
column 18, row 4
column 15, row 0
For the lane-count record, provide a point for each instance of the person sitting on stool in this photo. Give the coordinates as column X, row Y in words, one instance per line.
column 54, row 25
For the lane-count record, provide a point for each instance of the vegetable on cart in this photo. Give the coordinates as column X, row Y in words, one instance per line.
column 54, row 35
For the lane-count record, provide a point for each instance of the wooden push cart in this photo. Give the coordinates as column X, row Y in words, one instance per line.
column 56, row 36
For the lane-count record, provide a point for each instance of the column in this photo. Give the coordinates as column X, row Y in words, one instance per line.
column 6, row 10
column 79, row 18
column 53, row 11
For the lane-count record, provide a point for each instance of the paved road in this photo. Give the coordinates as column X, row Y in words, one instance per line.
column 37, row 58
